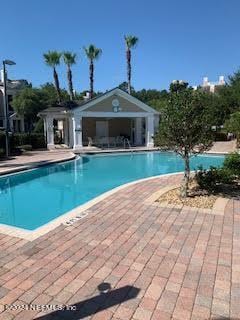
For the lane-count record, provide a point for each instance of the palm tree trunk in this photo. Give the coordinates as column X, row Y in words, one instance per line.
column 186, row 178
column 55, row 76
column 91, row 74
column 70, row 84
column 128, row 55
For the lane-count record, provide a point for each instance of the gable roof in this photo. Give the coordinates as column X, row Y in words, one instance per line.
column 84, row 105
column 112, row 92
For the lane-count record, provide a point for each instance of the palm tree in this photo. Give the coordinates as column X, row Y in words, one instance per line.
column 52, row 59
column 131, row 42
column 69, row 59
column 92, row 54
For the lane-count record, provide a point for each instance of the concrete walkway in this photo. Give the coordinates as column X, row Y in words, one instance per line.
column 32, row 159
column 223, row 147
column 161, row 263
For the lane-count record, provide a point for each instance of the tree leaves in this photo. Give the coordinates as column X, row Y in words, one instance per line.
column 185, row 122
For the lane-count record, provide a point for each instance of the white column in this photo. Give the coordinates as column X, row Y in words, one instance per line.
column 77, row 132
column 65, row 132
column 71, row 133
column 138, row 131
column 45, row 129
column 150, row 130
column 50, row 132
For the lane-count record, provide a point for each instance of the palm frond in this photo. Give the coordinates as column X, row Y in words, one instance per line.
column 92, row 52
column 69, row 58
column 52, row 58
column 131, row 41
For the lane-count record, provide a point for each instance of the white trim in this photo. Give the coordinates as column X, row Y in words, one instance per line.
column 55, row 115
column 120, row 93
column 99, row 114
column 139, row 103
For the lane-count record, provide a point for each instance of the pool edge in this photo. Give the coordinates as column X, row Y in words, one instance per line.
column 72, row 156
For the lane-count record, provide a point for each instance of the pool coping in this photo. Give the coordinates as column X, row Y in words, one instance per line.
column 31, row 235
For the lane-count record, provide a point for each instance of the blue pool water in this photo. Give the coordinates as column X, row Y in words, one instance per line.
column 32, row 198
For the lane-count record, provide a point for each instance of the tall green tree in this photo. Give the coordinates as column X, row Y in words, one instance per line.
column 124, row 86
column 92, row 53
column 226, row 100
column 28, row 103
column 49, row 96
column 52, row 59
column 131, row 42
column 185, row 127
column 178, row 85
column 69, row 59
column 233, row 125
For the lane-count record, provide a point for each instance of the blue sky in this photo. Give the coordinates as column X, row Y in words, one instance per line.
column 186, row 39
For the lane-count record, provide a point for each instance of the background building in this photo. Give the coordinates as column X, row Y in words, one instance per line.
column 212, row 86
column 16, row 122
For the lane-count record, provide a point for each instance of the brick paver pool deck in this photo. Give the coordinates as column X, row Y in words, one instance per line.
column 33, row 159
column 161, row 263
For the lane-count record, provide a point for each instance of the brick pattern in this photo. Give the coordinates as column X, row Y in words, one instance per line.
column 33, row 159
column 185, row 262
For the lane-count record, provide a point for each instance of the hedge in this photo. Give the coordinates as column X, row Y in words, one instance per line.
column 36, row 140
column 220, row 136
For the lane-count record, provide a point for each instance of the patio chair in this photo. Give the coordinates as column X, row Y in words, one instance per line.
column 112, row 142
column 104, row 141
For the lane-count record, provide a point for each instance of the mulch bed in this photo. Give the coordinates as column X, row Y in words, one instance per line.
column 197, row 199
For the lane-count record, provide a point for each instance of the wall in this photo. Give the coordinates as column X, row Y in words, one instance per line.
column 106, row 105
column 121, row 126
column 117, row 126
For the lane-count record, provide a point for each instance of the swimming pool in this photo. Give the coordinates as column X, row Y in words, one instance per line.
column 33, row 198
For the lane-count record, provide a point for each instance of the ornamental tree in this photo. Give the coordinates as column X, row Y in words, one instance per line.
column 185, row 127
column 233, row 125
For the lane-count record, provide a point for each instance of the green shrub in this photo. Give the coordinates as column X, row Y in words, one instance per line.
column 19, row 139
column 232, row 163
column 2, row 139
column 220, row 136
column 39, row 127
column 214, row 177
column 36, row 140
column 2, row 152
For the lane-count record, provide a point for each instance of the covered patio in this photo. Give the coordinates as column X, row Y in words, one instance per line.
column 114, row 119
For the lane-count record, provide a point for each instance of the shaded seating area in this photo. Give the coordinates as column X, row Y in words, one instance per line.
column 109, row 142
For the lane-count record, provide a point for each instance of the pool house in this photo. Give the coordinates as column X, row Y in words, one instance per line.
column 114, row 119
